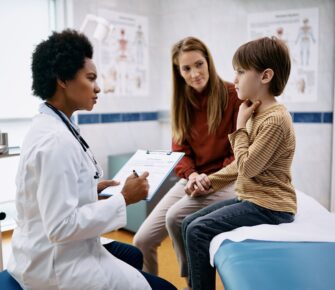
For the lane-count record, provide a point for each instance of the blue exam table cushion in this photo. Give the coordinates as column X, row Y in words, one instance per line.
column 267, row 265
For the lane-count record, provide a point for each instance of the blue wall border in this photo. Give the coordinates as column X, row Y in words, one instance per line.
column 312, row 117
column 298, row 117
column 116, row 117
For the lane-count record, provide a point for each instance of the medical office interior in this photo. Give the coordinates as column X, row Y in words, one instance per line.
column 132, row 42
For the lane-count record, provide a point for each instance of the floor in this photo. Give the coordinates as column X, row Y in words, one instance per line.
column 167, row 260
column 166, row 257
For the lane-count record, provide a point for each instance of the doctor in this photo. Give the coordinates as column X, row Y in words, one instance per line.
column 56, row 243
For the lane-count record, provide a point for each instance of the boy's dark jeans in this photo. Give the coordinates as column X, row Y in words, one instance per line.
column 198, row 230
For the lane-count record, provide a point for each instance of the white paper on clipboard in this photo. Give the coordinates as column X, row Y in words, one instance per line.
column 159, row 164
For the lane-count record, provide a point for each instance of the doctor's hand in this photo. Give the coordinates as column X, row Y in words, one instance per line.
column 135, row 188
column 106, row 183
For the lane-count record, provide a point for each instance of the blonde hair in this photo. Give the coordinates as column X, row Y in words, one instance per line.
column 183, row 98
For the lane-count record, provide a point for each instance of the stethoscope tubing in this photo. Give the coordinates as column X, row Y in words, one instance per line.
column 78, row 137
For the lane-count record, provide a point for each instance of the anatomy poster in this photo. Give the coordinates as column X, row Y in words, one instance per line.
column 299, row 30
column 123, row 55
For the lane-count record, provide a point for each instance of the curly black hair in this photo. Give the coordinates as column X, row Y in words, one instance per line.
column 61, row 56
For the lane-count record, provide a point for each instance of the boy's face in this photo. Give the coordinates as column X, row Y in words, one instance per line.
column 193, row 68
column 247, row 83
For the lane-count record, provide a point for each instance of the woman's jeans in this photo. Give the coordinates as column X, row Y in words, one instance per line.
column 198, row 230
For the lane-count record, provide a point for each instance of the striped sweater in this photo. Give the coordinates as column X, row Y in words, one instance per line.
column 263, row 156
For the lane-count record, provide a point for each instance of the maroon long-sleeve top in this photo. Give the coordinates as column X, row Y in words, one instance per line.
column 207, row 153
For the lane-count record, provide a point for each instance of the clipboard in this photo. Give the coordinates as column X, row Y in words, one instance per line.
column 158, row 163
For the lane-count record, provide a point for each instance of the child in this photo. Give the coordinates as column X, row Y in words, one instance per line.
column 263, row 145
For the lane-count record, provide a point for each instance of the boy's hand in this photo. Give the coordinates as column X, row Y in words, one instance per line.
column 247, row 108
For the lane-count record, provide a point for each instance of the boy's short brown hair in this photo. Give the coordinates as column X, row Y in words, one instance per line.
column 266, row 53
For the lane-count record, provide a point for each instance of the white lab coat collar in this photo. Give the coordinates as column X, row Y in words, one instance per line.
column 44, row 109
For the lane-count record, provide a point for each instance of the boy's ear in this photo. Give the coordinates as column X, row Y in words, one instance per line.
column 267, row 75
column 61, row 83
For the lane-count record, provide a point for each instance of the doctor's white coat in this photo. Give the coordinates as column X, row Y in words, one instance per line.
column 56, row 244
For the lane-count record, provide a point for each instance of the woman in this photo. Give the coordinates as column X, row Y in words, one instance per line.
column 56, row 243
column 204, row 111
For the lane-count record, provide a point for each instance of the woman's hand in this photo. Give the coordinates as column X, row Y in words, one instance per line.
column 189, row 187
column 247, row 108
column 198, row 185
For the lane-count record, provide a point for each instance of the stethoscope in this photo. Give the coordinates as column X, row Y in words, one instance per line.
column 80, row 139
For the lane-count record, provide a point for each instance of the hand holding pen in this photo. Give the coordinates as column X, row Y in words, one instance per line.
column 136, row 187
column 135, row 173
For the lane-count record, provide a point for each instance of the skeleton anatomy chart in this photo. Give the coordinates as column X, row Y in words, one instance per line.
column 299, row 30
column 121, row 42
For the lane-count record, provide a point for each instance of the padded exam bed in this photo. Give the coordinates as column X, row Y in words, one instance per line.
column 296, row 256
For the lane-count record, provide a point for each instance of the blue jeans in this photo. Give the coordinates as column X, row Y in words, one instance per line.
column 133, row 256
column 199, row 228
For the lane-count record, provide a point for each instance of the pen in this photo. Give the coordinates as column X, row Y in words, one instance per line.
column 135, row 173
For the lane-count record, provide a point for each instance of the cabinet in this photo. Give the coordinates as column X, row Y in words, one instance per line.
column 8, row 167
column 137, row 213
